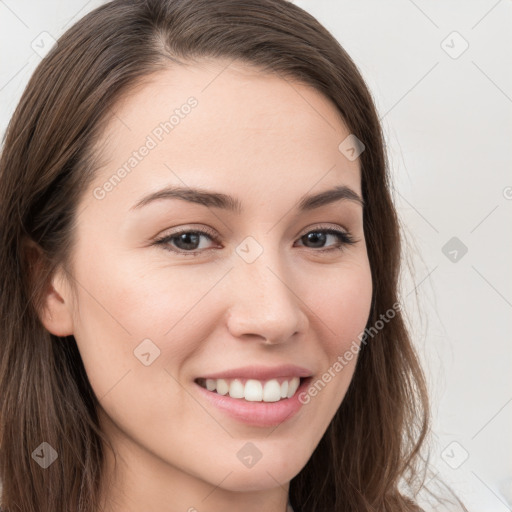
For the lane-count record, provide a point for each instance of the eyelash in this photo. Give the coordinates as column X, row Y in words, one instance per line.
column 344, row 237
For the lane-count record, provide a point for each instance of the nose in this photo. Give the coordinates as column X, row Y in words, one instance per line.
column 264, row 304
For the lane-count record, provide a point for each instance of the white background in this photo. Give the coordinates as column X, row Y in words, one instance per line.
column 448, row 125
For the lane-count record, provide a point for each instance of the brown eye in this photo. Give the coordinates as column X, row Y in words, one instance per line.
column 318, row 238
column 185, row 242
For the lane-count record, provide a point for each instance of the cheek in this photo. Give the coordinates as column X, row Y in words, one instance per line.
column 343, row 303
column 124, row 295
column 133, row 367
column 128, row 309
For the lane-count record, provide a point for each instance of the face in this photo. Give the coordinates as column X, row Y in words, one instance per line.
column 248, row 292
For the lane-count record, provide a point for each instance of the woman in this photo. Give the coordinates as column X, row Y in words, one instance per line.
column 200, row 259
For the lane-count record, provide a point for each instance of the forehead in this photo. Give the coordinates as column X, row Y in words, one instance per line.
column 221, row 122
column 220, row 83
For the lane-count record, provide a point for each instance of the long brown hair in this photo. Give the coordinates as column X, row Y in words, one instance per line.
column 375, row 439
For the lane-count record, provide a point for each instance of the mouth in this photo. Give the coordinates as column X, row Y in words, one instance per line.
column 253, row 390
column 256, row 396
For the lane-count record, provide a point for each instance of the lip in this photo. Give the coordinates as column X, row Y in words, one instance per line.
column 258, row 414
column 261, row 372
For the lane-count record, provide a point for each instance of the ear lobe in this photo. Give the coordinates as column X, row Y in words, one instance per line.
column 55, row 302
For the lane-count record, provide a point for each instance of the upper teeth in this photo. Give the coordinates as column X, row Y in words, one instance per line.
column 255, row 390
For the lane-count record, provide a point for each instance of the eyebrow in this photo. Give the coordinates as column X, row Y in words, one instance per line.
column 213, row 199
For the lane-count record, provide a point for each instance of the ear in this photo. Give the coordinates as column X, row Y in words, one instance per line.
column 56, row 305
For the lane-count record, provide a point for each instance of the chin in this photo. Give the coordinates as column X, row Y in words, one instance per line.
column 267, row 473
column 251, row 481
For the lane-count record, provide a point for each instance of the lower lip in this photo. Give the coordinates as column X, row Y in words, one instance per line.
column 260, row 414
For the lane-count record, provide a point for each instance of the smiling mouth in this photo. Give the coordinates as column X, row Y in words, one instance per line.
column 252, row 390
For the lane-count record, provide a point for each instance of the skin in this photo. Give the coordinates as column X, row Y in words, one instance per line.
column 268, row 142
